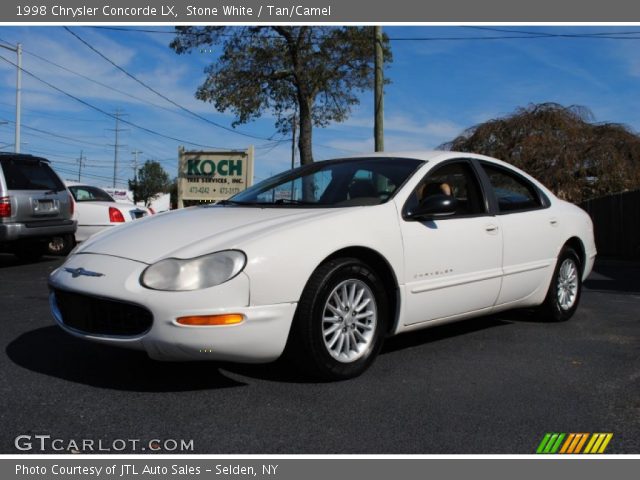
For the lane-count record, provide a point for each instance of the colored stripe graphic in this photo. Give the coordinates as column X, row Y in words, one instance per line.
column 605, row 443
column 573, row 443
column 543, row 443
column 550, row 443
column 598, row 442
column 567, row 443
column 581, row 442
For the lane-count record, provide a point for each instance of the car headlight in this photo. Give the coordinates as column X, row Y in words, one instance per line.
column 175, row 274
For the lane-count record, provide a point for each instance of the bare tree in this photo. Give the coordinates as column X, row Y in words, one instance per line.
column 562, row 147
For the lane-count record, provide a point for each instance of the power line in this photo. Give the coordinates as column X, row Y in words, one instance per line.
column 41, row 114
column 164, row 97
column 90, row 175
column 104, row 85
column 268, row 146
column 98, row 109
column 56, row 135
column 558, row 35
column 519, row 34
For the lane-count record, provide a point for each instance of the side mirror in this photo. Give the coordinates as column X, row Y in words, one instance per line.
column 433, row 207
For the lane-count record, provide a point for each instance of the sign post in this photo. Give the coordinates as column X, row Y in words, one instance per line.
column 211, row 176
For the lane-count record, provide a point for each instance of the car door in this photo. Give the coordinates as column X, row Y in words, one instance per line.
column 452, row 264
column 529, row 233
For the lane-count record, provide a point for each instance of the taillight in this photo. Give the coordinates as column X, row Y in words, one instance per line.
column 72, row 205
column 115, row 215
column 5, row 207
column 152, row 211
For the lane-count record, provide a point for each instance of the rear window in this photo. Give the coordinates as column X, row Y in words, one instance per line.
column 29, row 175
column 86, row 193
column 513, row 192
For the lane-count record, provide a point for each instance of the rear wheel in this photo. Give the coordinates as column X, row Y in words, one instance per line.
column 338, row 328
column 61, row 245
column 565, row 289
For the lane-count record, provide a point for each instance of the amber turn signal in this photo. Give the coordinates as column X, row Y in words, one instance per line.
column 206, row 320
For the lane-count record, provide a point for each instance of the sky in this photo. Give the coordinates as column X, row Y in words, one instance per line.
column 443, row 81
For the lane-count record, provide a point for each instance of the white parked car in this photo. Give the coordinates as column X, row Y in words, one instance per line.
column 325, row 261
column 97, row 210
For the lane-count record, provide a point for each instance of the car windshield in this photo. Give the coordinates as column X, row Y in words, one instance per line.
column 85, row 193
column 333, row 183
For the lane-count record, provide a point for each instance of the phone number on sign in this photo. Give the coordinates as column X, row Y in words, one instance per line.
column 206, row 190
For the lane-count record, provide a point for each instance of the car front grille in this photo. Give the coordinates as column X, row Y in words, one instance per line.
column 101, row 316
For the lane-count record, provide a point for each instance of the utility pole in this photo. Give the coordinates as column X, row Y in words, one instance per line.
column 80, row 162
column 293, row 140
column 18, row 50
column 18, row 95
column 135, row 154
column 116, row 145
column 378, row 128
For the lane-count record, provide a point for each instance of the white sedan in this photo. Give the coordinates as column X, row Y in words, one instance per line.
column 323, row 262
column 97, row 210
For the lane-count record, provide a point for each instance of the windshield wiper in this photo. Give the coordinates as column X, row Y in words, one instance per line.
column 290, row 201
column 280, row 201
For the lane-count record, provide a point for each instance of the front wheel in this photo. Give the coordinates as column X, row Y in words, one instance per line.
column 565, row 289
column 338, row 327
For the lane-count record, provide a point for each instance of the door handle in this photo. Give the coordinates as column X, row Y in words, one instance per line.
column 491, row 228
column 553, row 221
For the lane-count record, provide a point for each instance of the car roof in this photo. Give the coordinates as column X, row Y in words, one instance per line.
column 73, row 183
column 436, row 156
column 23, row 156
column 431, row 156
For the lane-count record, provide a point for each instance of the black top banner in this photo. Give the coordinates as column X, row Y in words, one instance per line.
column 315, row 11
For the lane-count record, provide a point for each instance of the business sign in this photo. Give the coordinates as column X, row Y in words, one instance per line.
column 211, row 176
column 120, row 194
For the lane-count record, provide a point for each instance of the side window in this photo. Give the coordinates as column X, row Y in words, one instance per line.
column 513, row 192
column 456, row 179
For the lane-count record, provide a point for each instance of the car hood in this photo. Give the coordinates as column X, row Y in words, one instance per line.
column 195, row 231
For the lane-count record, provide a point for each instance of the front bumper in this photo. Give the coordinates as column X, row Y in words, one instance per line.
column 261, row 337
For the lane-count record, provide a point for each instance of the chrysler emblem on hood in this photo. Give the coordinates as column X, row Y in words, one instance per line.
column 76, row 272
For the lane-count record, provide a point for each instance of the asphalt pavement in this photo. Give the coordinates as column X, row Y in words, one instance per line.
column 492, row 385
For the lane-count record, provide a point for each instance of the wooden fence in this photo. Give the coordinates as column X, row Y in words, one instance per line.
column 616, row 221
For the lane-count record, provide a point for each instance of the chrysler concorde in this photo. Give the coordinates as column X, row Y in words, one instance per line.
column 322, row 263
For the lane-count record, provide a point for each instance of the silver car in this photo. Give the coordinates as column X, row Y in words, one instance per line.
column 35, row 206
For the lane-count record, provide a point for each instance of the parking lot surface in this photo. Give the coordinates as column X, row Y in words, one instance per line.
column 490, row 385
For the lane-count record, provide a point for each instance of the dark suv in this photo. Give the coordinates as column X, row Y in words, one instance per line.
column 35, row 206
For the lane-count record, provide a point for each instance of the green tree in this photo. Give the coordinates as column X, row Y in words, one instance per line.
column 562, row 147
column 314, row 71
column 151, row 179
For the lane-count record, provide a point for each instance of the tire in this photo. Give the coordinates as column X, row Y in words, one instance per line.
column 565, row 289
column 321, row 341
column 30, row 252
column 61, row 245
